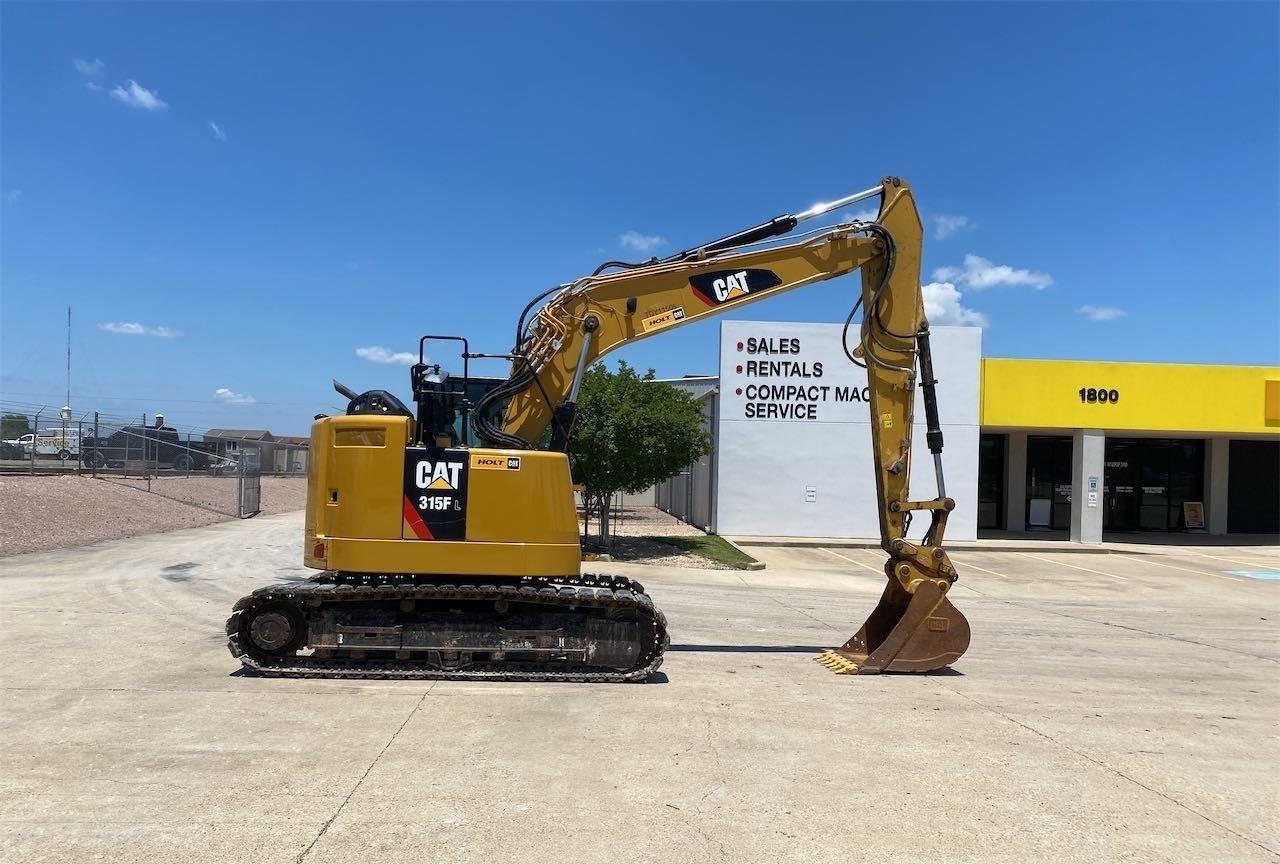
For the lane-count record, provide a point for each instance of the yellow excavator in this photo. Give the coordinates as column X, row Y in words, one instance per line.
column 440, row 560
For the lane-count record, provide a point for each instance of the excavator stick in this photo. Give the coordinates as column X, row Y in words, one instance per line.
column 906, row 632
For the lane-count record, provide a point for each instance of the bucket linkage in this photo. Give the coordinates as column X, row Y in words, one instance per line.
column 914, row 627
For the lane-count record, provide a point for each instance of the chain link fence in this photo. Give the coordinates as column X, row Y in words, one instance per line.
column 218, row 469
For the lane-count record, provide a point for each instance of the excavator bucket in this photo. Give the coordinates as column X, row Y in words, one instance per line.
column 905, row 633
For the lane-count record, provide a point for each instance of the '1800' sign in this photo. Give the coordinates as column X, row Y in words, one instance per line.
column 1099, row 394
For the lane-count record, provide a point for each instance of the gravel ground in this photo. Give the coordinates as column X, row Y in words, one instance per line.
column 53, row 512
column 636, row 523
column 279, row 494
column 649, row 522
column 39, row 513
column 637, row 550
column 284, row 494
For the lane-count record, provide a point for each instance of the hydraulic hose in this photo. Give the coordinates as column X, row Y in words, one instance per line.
column 484, row 426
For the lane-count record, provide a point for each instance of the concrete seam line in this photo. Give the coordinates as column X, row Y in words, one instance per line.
column 356, row 788
column 800, row 611
column 1105, row 766
column 1170, row 636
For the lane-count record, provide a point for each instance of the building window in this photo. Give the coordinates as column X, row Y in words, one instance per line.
column 1253, row 487
column 991, row 449
column 1148, row 479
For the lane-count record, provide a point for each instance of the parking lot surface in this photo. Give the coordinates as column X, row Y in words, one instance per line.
column 1112, row 707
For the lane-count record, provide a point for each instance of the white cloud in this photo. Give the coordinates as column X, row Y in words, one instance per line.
column 378, row 354
column 942, row 305
column 94, row 86
column 133, row 328
column 222, row 394
column 218, row 131
column 1101, row 313
column 868, row 215
column 12, row 196
column 979, row 274
column 137, row 96
column 944, row 226
column 637, row 242
column 89, row 67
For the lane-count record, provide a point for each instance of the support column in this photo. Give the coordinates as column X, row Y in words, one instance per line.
column 1015, row 482
column 1088, row 455
column 1217, row 463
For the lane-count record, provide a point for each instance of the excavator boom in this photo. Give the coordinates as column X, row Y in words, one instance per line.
column 914, row 627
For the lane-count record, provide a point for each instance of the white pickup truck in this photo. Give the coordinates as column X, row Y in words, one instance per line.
column 50, row 442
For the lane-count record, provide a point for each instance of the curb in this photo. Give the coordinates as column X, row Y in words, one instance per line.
column 754, row 565
column 960, row 546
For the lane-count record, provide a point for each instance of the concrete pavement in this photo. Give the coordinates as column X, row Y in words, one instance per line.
column 1118, row 707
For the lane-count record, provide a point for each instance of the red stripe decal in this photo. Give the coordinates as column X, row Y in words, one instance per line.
column 415, row 521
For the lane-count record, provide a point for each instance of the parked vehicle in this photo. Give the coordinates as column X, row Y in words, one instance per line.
column 50, row 442
column 159, row 446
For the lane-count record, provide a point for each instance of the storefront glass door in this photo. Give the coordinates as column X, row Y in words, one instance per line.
column 991, row 481
column 1049, row 482
column 1148, row 479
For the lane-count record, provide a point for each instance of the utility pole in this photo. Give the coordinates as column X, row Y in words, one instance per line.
column 68, row 402
column 66, row 406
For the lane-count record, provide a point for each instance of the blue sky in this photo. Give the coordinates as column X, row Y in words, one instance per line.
column 248, row 194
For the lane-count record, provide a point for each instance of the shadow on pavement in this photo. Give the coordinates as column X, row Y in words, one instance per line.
column 944, row 672
column 752, row 649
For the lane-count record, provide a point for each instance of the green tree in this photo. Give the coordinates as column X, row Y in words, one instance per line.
column 632, row 432
column 14, row 425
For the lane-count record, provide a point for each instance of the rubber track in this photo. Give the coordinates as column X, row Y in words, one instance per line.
column 598, row 590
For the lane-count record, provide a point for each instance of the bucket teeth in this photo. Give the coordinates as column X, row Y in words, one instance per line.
column 837, row 664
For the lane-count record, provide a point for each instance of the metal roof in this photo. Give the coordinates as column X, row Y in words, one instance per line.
column 243, row 434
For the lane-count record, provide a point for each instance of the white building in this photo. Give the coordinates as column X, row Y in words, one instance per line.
column 1054, row 445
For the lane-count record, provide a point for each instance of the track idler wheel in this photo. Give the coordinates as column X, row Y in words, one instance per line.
column 906, row 632
column 275, row 630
